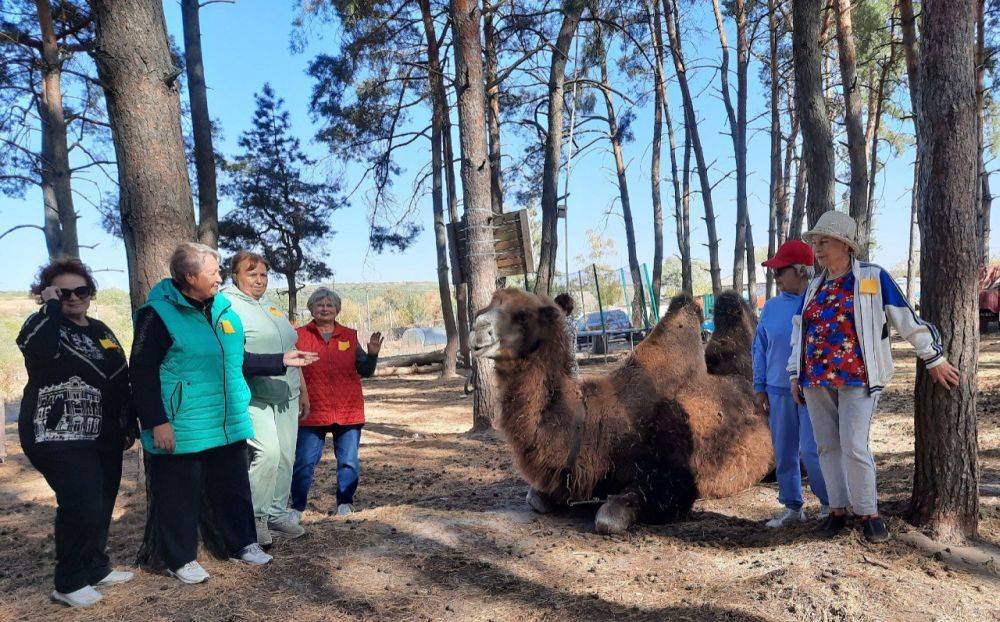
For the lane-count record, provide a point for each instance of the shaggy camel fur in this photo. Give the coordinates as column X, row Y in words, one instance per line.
column 650, row 436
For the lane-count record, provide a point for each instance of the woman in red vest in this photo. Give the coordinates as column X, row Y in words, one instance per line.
column 332, row 401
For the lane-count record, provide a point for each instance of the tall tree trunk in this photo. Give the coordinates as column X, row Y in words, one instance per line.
column 51, row 227
column 293, row 295
column 743, row 254
column 659, row 103
column 638, row 295
column 571, row 12
column 911, row 254
column 684, row 220
column 877, row 98
column 946, row 474
column 691, row 123
column 201, row 122
column 784, row 214
column 493, row 105
column 56, row 172
column 439, row 106
column 817, row 140
column 801, row 196
column 985, row 201
column 462, row 289
column 777, row 182
column 140, row 85
column 465, row 17
column 856, row 146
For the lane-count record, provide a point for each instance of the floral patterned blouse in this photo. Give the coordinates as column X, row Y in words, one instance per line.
column 833, row 353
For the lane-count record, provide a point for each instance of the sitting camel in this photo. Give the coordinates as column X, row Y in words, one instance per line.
column 648, row 437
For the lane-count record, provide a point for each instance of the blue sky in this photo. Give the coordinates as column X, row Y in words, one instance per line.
column 247, row 44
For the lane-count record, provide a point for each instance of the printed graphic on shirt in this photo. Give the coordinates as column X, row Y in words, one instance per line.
column 69, row 411
column 833, row 353
column 82, row 343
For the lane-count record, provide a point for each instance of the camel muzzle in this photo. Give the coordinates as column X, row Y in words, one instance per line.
column 485, row 342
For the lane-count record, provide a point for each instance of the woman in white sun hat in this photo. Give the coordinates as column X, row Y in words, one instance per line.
column 841, row 360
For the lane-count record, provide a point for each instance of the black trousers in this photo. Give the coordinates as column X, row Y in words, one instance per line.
column 86, row 485
column 177, row 482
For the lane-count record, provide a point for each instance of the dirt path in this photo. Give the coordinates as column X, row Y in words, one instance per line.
column 444, row 534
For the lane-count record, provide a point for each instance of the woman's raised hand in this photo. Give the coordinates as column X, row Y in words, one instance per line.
column 375, row 343
column 299, row 358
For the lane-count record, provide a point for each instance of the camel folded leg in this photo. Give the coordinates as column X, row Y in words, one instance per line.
column 540, row 502
column 618, row 513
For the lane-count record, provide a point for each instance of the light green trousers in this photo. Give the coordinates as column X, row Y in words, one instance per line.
column 272, row 449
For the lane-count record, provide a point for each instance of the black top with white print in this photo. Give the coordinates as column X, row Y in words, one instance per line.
column 78, row 392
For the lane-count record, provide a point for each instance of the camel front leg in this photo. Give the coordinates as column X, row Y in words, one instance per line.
column 618, row 513
column 540, row 502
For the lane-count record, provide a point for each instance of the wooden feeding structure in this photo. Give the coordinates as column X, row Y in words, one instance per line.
column 511, row 243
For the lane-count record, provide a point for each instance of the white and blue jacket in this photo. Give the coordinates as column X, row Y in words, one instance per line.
column 878, row 302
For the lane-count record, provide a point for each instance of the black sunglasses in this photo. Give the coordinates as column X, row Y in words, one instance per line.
column 81, row 292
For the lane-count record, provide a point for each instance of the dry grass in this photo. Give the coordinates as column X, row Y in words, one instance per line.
column 444, row 534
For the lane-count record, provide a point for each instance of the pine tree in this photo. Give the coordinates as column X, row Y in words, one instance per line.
column 278, row 212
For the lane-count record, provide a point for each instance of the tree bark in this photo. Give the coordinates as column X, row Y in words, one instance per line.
column 465, row 17
column 659, row 103
column 140, row 85
column 293, row 296
column 684, row 220
column 784, row 214
column 201, row 122
column 462, row 289
column 777, row 182
column 493, row 105
column 856, row 146
column 56, row 173
column 691, row 123
column 638, row 295
column 571, row 12
column 817, row 139
column 946, row 474
column 439, row 111
column 801, row 195
column 985, row 201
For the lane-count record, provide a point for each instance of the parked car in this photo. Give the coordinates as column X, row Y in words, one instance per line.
column 616, row 326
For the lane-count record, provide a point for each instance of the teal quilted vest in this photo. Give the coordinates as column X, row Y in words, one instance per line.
column 201, row 378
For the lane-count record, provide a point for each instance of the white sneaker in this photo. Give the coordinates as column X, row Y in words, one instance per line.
column 787, row 517
column 190, row 573
column 344, row 509
column 83, row 597
column 824, row 511
column 286, row 526
column 253, row 554
column 263, row 534
column 115, row 577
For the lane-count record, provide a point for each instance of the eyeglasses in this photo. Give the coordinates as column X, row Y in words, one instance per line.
column 81, row 292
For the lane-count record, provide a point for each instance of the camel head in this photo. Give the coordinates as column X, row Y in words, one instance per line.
column 515, row 325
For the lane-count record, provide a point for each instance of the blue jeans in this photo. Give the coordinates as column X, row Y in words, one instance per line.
column 792, row 436
column 309, row 450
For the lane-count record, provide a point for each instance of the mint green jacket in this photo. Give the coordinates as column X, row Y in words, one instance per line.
column 267, row 330
column 201, row 377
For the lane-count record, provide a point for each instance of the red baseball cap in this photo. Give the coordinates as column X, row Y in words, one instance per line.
column 790, row 253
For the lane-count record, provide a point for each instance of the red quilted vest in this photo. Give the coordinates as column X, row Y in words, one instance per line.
column 333, row 382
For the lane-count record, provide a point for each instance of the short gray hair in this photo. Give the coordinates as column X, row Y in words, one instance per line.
column 320, row 294
column 188, row 259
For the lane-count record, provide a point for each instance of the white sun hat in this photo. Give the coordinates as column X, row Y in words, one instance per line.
column 836, row 225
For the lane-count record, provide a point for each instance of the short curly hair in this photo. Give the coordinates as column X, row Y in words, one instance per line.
column 58, row 267
column 565, row 302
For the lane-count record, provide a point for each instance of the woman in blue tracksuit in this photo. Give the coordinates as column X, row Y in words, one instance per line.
column 791, row 430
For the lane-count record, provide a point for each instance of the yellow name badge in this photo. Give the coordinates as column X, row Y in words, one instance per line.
column 344, row 345
column 227, row 327
column 869, row 286
column 276, row 312
column 108, row 344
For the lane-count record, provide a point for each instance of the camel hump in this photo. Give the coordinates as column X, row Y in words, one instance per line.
column 728, row 351
column 732, row 314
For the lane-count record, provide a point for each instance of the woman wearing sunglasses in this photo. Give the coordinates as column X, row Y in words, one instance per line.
column 76, row 419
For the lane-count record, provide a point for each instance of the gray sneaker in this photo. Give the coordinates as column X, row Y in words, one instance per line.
column 344, row 509
column 287, row 527
column 263, row 535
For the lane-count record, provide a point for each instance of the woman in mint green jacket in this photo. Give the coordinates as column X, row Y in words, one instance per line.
column 188, row 369
column 274, row 400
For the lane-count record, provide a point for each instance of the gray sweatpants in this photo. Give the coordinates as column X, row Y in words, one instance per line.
column 841, row 419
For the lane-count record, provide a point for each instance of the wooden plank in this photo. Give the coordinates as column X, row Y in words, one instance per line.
column 524, row 226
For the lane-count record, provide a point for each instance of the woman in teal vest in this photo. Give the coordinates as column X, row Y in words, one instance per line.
column 274, row 400
column 188, row 368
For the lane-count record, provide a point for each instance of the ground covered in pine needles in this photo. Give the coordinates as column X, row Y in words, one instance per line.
column 443, row 533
